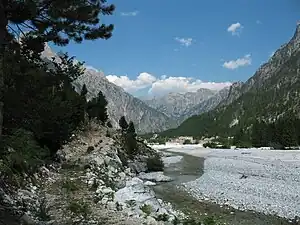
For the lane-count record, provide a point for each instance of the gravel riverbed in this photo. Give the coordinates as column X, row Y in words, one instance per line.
column 260, row 180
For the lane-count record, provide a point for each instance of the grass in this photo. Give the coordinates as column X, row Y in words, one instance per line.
column 70, row 185
column 79, row 208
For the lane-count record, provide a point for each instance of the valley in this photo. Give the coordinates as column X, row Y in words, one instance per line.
column 188, row 117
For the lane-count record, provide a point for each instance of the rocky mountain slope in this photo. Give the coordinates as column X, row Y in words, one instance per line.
column 272, row 92
column 120, row 103
column 175, row 104
column 208, row 104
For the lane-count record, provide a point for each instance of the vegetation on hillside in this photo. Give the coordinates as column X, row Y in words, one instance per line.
column 266, row 115
column 38, row 103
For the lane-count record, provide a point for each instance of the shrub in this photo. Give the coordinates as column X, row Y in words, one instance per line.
column 147, row 209
column 22, row 153
column 131, row 203
column 209, row 145
column 130, row 144
column 70, row 185
column 79, row 208
column 187, row 142
column 163, row 217
column 209, row 221
column 155, row 164
column 43, row 211
column 90, row 149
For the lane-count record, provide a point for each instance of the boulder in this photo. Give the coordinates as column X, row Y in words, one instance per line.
column 155, row 177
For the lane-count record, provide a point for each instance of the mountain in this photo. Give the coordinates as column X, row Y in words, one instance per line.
column 208, row 104
column 175, row 105
column 271, row 93
column 120, row 103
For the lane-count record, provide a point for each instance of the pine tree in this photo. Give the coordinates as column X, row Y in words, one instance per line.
column 131, row 128
column 83, row 91
column 49, row 21
column 123, row 123
column 102, row 107
column 97, row 108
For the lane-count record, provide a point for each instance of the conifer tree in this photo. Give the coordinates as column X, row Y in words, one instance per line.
column 131, row 128
column 54, row 21
column 83, row 91
column 97, row 108
column 123, row 123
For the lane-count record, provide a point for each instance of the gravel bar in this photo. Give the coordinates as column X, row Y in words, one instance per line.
column 259, row 180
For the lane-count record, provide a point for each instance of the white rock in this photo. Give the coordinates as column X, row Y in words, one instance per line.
column 107, row 190
column 155, row 176
column 127, row 171
column 150, row 183
column 98, row 160
column 151, row 221
column 122, row 175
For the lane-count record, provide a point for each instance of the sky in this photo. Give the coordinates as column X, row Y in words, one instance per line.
column 163, row 46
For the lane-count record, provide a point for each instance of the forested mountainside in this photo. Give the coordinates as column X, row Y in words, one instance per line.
column 270, row 97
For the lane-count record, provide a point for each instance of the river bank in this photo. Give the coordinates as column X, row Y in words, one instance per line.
column 241, row 186
column 92, row 181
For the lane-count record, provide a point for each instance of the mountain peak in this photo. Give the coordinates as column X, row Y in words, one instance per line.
column 297, row 32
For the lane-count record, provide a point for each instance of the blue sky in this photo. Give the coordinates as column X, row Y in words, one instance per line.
column 190, row 39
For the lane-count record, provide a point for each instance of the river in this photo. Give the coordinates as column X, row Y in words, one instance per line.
column 191, row 168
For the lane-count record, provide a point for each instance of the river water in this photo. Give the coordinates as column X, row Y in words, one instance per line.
column 190, row 168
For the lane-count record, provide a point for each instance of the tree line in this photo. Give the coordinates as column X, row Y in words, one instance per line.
column 281, row 133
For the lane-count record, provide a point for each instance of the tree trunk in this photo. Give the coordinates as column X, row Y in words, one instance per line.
column 3, row 42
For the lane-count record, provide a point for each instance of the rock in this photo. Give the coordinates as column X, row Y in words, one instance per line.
column 27, row 220
column 98, row 160
column 149, row 183
column 127, row 171
column 122, row 175
column 60, row 156
column 138, row 167
column 155, row 176
column 24, row 194
column 151, row 221
column 107, row 190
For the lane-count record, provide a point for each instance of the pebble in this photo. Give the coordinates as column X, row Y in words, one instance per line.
column 271, row 187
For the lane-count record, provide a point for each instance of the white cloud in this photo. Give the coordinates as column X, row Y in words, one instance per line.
column 133, row 13
column 142, row 81
column 184, row 41
column 164, row 84
column 234, row 64
column 258, row 22
column 235, row 28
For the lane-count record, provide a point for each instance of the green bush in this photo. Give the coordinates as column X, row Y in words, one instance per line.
column 155, row 163
column 163, row 217
column 90, row 149
column 22, row 153
column 80, row 208
column 130, row 144
column 147, row 209
column 209, row 145
column 187, row 142
column 69, row 185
